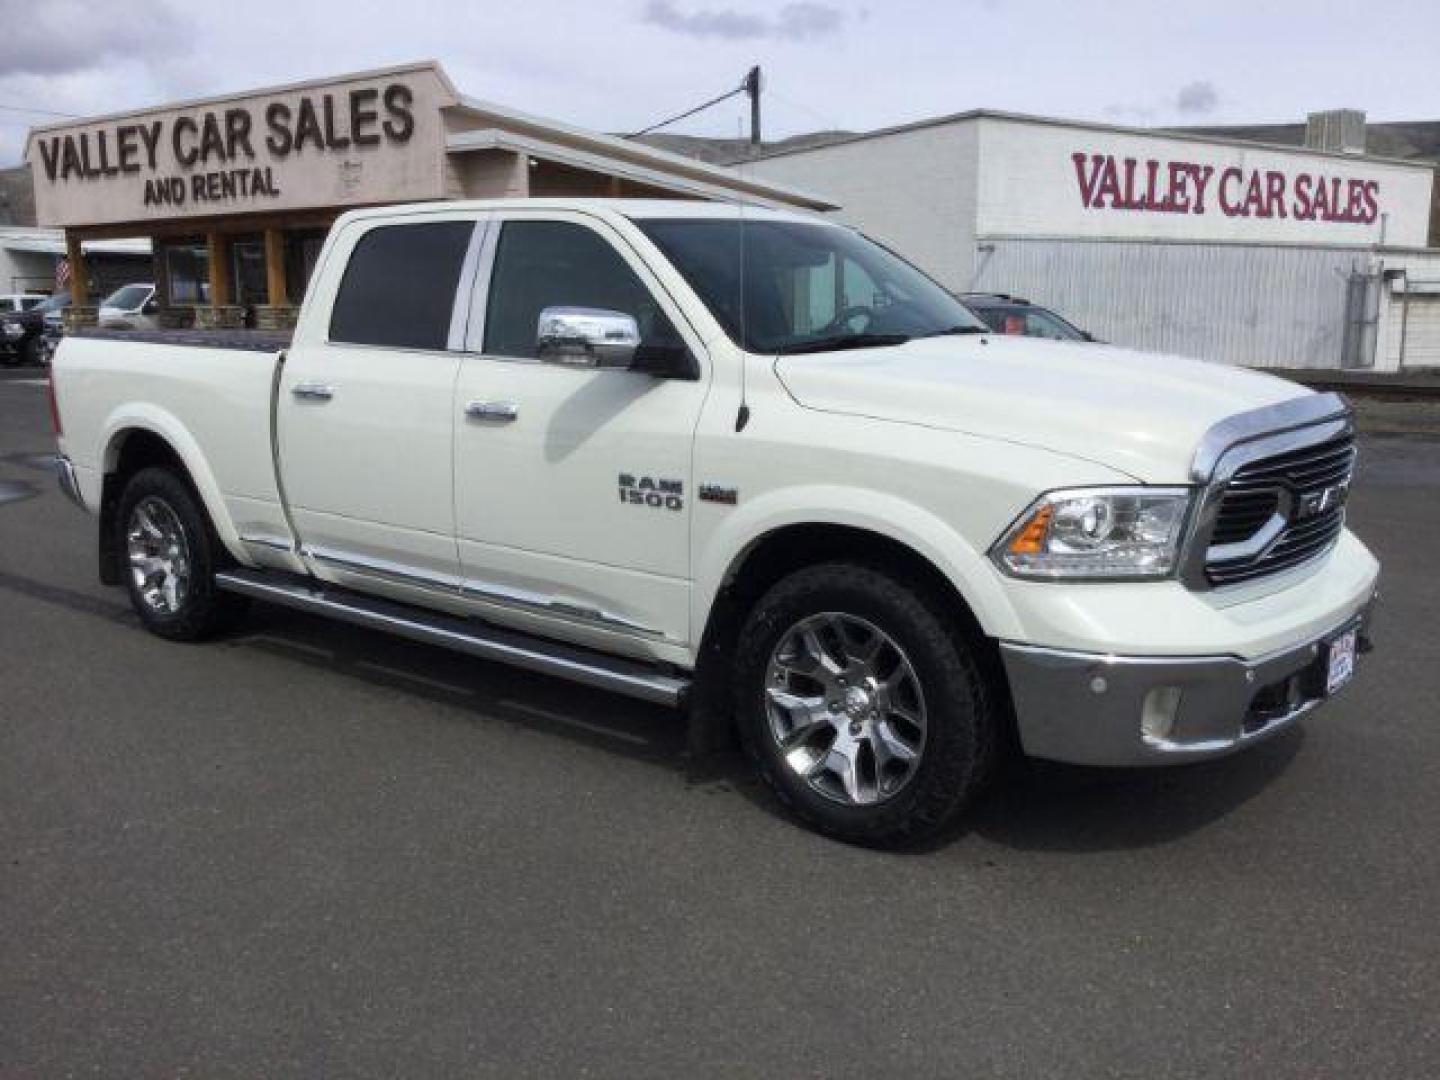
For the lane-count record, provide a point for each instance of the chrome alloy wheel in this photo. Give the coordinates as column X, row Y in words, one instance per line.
column 159, row 556
column 846, row 708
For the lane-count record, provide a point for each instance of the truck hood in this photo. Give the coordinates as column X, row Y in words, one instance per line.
column 1139, row 413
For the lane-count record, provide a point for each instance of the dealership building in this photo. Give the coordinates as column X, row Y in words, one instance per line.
column 236, row 193
column 1268, row 256
column 1315, row 256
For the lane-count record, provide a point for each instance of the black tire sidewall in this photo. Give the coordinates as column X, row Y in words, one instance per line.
column 960, row 731
column 203, row 604
column 32, row 352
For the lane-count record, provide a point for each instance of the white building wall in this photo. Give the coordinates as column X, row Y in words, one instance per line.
column 26, row 271
column 1201, row 247
column 1050, row 178
column 912, row 190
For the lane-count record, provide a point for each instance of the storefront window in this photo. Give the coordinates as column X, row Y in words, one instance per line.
column 302, row 252
column 248, row 269
column 187, row 270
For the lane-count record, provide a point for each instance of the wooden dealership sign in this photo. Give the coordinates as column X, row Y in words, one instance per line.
column 359, row 139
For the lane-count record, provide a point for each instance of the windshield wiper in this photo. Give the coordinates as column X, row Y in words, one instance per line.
column 843, row 341
column 958, row 329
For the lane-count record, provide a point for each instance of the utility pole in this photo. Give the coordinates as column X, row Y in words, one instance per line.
column 751, row 86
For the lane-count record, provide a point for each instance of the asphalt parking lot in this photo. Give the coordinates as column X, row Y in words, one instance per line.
column 310, row 850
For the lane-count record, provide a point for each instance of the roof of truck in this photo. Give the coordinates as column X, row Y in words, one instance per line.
column 630, row 208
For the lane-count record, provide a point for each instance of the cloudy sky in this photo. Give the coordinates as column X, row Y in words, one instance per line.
column 618, row 65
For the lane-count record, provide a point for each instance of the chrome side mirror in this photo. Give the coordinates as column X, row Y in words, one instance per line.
column 586, row 337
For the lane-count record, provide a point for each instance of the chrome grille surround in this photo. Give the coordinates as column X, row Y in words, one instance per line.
column 1254, row 469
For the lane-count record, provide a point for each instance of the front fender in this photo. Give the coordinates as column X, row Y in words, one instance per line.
column 144, row 416
column 884, row 514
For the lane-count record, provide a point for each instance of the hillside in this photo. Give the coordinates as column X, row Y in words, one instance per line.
column 17, row 196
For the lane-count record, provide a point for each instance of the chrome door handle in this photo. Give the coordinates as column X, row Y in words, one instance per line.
column 504, row 411
column 313, row 391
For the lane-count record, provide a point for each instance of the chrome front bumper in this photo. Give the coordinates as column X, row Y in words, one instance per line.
column 69, row 484
column 1094, row 709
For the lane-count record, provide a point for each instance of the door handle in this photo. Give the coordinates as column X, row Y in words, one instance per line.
column 504, row 411
column 313, row 391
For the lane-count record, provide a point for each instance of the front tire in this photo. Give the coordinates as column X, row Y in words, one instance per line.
column 171, row 554
column 863, row 705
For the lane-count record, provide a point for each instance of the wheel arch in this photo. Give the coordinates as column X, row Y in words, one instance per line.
column 748, row 571
column 140, row 438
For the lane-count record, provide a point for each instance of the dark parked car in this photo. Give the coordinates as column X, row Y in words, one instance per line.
column 30, row 336
column 1007, row 314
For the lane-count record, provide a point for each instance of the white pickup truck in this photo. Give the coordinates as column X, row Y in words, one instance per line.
column 748, row 462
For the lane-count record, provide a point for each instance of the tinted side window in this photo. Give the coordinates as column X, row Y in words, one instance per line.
column 399, row 286
column 540, row 264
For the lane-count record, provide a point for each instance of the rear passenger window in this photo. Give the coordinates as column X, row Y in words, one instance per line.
column 399, row 286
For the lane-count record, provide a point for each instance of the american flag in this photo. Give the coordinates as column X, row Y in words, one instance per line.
column 62, row 273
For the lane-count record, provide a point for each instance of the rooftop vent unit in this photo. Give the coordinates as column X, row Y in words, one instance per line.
column 1339, row 130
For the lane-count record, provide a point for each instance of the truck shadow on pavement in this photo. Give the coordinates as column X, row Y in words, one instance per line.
column 1046, row 806
column 490, row 691
column 1035, row 806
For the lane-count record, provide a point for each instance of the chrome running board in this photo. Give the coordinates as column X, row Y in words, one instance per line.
column 462, row 635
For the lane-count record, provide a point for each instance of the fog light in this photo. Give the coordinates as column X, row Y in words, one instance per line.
column 1157, row 716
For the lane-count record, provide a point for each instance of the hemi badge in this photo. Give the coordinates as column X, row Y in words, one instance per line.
column 715, row 493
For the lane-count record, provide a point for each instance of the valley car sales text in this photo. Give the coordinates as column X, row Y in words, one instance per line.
column 361, row 118
column 1185, row 187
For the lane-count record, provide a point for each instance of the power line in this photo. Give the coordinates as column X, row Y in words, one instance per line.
column 689, row 112
column 41, row 112
column 826, row 119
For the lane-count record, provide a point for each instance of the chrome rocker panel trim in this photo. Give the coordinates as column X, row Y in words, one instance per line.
column 557, row 607
column 646, row 682
column 1086, row 708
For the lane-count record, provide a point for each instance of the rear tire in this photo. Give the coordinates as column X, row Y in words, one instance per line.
column 32, row 353
column 918, row 718
column 171, row 554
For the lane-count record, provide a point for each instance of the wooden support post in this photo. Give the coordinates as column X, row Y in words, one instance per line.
column 79, row 278
column 275, row 268
column 218, row 252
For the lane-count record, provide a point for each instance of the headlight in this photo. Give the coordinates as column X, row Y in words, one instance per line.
column 1097, row 533
column 13, row 330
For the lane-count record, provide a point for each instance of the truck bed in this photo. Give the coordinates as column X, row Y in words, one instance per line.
column 269, row 341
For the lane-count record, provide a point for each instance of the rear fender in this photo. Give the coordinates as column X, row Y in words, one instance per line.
column 146, row 417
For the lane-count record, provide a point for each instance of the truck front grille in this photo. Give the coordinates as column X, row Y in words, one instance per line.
column 1281, row 511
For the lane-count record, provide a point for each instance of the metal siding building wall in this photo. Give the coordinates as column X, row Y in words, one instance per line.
column 913, row 190
column 1262, row 306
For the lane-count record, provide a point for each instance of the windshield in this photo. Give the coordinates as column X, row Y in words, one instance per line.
column 127, row 297
column 807, row 287
column 57, row 302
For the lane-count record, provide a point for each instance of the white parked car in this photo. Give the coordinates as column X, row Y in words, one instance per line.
column 130, row 307
column 750, row 463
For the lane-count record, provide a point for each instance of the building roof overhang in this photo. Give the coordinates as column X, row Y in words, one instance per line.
column 706, row 182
